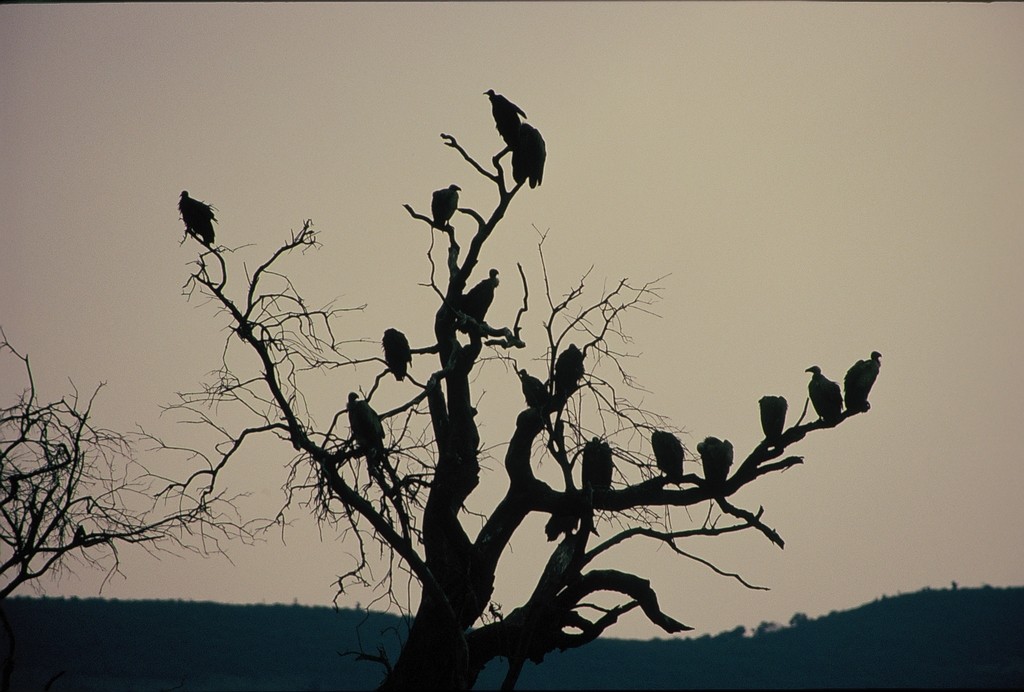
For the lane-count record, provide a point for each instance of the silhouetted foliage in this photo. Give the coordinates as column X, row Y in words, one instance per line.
column 400, row 481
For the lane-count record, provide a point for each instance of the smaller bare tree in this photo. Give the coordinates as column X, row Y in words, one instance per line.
column 72, row 492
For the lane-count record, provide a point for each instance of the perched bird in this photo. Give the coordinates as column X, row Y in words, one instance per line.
column 568, row 372
column 479, row 298
column 859, row 380
column 443, row 205
column 396, row 353
column 198, row 217
column 716, row 458
column 559, row 524
column 506, row 118
column 773, row 416
column 825, row 395
column 366, row 427
column 534, row 391
column 597, row 464
column 528, row 157
column 668, row 452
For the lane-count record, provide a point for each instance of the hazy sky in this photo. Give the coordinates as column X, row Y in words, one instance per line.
column 816, row 180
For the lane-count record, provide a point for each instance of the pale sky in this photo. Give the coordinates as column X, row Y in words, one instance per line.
column 817, row 181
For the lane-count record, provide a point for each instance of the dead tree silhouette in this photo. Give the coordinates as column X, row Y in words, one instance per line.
column 579, row 452
column 73, row 494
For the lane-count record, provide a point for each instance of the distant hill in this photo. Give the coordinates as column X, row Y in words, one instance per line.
column 932, row 638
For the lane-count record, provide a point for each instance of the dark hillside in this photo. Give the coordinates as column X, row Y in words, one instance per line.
column 932, row 638
column 154, row 645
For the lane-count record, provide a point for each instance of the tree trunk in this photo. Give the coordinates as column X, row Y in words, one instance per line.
column 434, row 657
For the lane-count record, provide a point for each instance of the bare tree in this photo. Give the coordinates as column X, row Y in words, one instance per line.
column 72, row 493
column 398, row 490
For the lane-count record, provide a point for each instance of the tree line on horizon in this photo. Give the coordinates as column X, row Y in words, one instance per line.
column 967, row 637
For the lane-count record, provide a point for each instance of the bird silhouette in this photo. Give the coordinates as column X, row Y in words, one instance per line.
column 443, row 205
column 534, row 391
column 668, row 453
column 568, row 372
column 773, row 416
column 528, row 157
column 366, row 427
column 858, row 382
column 506, row 118
column 716, row 458
column 198, row 217
column 479, row 298
column 597, row 464
column 825, row 395
column 397, row 354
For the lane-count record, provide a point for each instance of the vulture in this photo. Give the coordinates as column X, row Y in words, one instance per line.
column 198, row 217
column 858, row 381
column 716, row 457
column 506, row 118
column 443, row 205
column 528, row 157
column 825, row 395
column 597, row 464
column 668, row 452
column 396, row 353
column 773, row 416
column 559, row 524
column 478, row 299
column 568, row 372
column 366, row 427
column 535, row 392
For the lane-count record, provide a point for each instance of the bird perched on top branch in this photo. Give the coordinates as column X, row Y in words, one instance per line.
column 198, row 217
column 506, row 118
